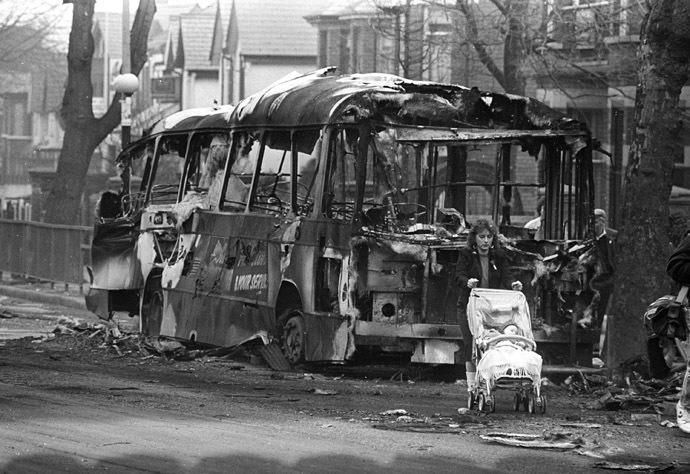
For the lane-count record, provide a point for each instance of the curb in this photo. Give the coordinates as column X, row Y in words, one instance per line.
column 38, row 296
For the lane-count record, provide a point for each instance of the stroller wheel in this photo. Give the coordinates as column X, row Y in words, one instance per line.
column 517, row 401
column 531, row 403
column 542, row 404
column 481, row 402
column 491, row 401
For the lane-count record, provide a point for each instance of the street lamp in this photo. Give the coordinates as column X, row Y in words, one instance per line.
column 126, row 85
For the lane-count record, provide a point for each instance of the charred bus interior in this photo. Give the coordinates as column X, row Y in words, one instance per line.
column 419, row 191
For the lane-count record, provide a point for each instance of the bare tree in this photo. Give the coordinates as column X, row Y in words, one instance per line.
column 83, row 131
column 664, row 68
column 26, row 29
column 514, row 39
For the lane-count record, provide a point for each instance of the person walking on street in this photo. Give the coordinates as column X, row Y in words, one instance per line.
column 678, row 268
column 482, row 264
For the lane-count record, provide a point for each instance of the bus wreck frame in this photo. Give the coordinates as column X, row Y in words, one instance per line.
column 333, row 223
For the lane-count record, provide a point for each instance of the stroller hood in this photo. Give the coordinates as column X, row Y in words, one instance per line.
column 495, row 309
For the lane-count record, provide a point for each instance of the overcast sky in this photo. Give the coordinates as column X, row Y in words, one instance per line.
column 62, row 13
column 116, row 5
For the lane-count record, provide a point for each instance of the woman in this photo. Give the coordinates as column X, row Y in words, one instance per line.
column 482, row 264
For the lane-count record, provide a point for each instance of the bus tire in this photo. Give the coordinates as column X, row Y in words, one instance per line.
column 152, row 315
column 294, row 338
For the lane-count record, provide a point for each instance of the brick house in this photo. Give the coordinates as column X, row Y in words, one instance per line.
column 30, row 133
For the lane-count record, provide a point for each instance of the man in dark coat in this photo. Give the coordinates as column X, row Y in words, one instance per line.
column 605, row 245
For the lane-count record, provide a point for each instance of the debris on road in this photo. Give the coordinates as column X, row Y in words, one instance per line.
column 586, row 426
column 396, row 412
column 274, row 357
column 634, row 466
column 428, row 424
column 561, row 441
column 405, row 421
column 6, row 314
column 421, row 427
column 318, row 391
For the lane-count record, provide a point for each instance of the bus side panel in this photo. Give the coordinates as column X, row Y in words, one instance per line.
column 222, row 294
column 214, row 320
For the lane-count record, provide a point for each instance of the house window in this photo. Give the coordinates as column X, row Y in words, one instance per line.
column 18, row 122
column 439, row 53
column 354, row 50
column 581, row 24
column 344, row 47
column 323, row 48
column 626, row 17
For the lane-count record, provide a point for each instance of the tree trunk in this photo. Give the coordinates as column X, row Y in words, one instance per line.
column 83, row 132
column 514, row 56
column 643, row 241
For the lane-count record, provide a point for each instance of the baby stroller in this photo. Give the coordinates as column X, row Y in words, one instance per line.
column 503, row 350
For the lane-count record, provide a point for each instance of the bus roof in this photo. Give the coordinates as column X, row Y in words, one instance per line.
column 319, row 98
column 186, row 121
column 194, row 118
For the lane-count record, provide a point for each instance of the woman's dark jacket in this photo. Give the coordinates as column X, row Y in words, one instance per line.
column 469, row 266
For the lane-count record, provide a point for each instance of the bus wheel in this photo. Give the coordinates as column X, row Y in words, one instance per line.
column 152, row 316
column 294, row 339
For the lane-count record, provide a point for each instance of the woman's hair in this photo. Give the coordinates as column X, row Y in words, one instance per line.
column 479, row 226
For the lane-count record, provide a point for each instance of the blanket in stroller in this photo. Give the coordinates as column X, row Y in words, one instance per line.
column 507, row 359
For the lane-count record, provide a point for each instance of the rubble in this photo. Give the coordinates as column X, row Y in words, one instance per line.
column 397, row 412
column 560, row 441
column 6, row 314
column 634, row 466
column 318, row 391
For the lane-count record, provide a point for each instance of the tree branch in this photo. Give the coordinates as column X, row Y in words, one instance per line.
column 139, row 35
column 483, row 53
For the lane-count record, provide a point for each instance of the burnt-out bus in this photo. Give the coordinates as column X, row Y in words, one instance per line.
column 333, row 225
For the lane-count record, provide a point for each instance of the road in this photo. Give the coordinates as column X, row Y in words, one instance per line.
column 78, row 404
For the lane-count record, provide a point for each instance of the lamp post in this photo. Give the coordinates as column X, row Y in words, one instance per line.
column 126, row 85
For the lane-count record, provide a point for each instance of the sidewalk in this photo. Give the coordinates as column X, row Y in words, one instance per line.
column 43, row 292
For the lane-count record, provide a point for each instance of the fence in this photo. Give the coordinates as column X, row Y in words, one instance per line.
column 55, row 253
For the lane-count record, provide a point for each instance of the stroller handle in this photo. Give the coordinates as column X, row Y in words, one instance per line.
column 510, row 337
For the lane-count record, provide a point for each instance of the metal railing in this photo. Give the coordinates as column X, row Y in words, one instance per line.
column 48, row 252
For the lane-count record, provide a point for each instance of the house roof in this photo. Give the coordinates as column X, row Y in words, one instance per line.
column 272, row 27
column 195, row 44
column 107, row 31
column 338, row 8
column 342, row 9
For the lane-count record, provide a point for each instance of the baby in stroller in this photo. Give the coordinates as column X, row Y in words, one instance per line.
column 504, row 350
